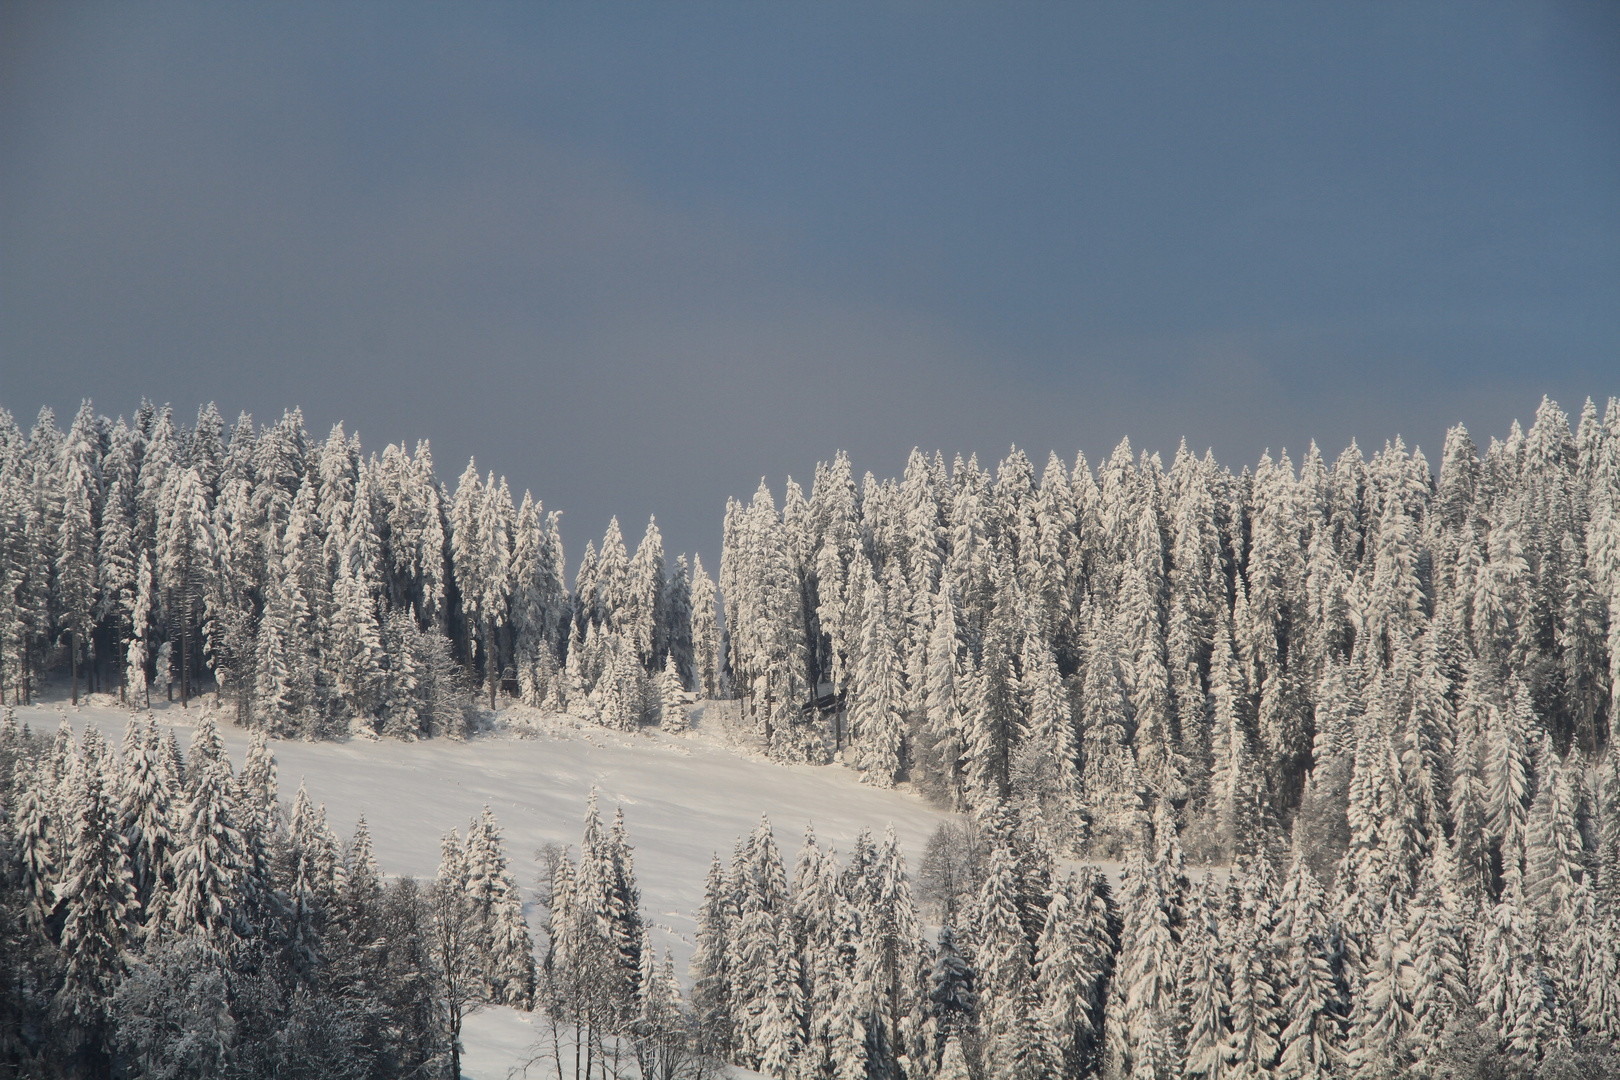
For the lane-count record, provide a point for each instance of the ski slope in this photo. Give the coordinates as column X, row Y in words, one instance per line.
column 685, row 797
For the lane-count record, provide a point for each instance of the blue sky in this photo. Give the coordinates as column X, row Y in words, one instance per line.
column 636, row 256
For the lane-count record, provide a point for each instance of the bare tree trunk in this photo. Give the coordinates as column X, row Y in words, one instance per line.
column 73, row 666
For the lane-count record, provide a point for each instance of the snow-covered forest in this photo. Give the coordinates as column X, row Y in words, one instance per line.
column 165, row 915
column 319, row 591
column 1380, row 695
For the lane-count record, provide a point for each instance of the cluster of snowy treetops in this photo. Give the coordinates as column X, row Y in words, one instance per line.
column 318, row 589
column 1227, row 646
column 162, row 915
column 1040, row 973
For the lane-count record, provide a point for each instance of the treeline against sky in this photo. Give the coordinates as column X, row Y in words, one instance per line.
column 1221, row 648
column 1385, row 693
column 317, row 590
column 1111, row 644
column 1399, row 684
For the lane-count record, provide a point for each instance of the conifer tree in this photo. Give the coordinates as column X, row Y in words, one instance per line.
column 1468, row 806
column 97, row 906
column 672, row 697
column 1437, row 941
column 953, row 999
column 994, row 718
column 1142, row 1008
column 1050, row 772
column 187, row 571
column 138, row 655
column 1507, row 780
column 1514, row 993
column 208, row 862
column 456, row 953
column 147, row 816
column 76, row 543
column 711, row 971
column 39, row 838
column 878, row 724
column 1067, row 982
column 1006, row 976
column 1203, row 992
column 1233, row 790
column 645, row 620
column 1256, row 1016
column 706, row 651
column 1381, row 1018
column 1109, row 774
column 943, row 693
column 1312, row 1005
column 498, row 907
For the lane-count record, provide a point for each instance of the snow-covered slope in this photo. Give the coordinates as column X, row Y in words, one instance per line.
column 684, row 798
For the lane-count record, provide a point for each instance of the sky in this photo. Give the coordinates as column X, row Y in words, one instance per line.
column 636, row 256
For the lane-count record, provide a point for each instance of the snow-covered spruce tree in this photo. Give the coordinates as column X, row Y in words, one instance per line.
column 1311, row 1000
column 97, row 906
column 496, row 912
column 1141, row 632
column 1073, row 960
column 38, row 843
column 1437, row 940
column 1046, row 767
column 1108, row 776
column 1381, row 1016
column 707, row 655
column 1512, row 987
column 456, row 955
column 891, row 936
column 993, row 717
column 671, row 697
column 1204, row 994
column 138, row 654
column 765, row 598
column 944, row 707
column 766, row 997
column 1468, row 806
column 187, row 572
column 816, row 929
column 147, row 817
column 493, row 580
column 645, row 621
column 711, row 970
column 1141, row 1011
column 539, row 599
column 1508, row 781
column 1010, row 1018
column 877, row 723
column 76, row 576
column 953, row 1003
column 1249, row 932
column 481, row 553
column 209, row 855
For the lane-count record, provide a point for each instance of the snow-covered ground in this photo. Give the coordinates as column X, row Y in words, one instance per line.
column 685, row 797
